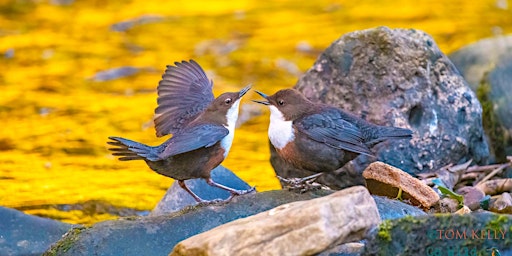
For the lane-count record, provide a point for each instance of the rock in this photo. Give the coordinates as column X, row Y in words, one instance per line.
column 487, row 66
column 400, row 78
column 472, row 197
column 394, row 209
column 157, row 235
column 463, row 210
column 503, row 204
column 344, row 250
column 446, row 205
column 442, row 234
column 176, row 198
column 386, row 180
column 298, row 228
column 22, row 234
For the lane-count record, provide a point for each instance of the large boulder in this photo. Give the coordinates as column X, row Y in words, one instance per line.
column 159, row 234
column 487, row 66
column 23, row 234
column 400, row 78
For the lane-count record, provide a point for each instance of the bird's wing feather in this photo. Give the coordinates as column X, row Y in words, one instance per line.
column 183, row 93
column 330, row 128
column 201, row 136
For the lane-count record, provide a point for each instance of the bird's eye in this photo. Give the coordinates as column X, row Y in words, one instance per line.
column 280, row 102
column 227, row 101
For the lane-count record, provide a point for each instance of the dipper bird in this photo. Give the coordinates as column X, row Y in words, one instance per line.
column 319, row 137
column 202, row 127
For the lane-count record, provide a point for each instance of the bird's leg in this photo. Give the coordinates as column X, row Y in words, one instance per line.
column 233, row 192
column 302, row 184
column 184, row 186
column 399, row 195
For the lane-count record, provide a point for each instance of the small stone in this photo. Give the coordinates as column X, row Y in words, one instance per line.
column 464, row 210
column 472, row 197
column 299, row 228
column 446, row 205
column 503, row 204
column 386, row 180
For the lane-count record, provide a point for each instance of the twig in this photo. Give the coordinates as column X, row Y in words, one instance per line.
column 496, row 171
column 483, row 168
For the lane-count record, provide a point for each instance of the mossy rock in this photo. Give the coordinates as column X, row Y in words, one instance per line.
column 442, row 234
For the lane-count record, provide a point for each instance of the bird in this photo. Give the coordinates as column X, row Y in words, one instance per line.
column 317, row 137
column 201, row 125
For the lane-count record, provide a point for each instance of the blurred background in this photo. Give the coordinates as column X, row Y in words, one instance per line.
column 74, row 72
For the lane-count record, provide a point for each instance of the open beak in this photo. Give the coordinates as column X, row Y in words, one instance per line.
column 244, row 91
column 260, row 101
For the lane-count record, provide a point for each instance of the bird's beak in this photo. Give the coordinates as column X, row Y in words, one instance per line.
column 244, row 91
column 260, row 101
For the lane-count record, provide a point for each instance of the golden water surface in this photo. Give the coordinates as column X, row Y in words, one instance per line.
column 55, row 113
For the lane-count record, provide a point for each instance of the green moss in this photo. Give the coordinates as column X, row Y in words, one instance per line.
column 497, row 223
column 65, row 243
column 385, row 230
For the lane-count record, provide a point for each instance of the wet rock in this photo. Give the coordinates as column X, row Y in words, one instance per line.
column 386, row 180
column 503, row 204
column 472, row 197
column 157, row 235
column 176, row 198
column 22, row 234
column 468, row 234
column 398, row 78
column 299, row 228
column 487, row 66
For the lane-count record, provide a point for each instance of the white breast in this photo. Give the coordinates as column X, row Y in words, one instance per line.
column 232, row 116
column 280, row 131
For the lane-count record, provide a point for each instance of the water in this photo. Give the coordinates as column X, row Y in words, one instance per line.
column 56, row 114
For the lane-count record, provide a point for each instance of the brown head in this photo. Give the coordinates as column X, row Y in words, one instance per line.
column 290, row 103
column 224, row 109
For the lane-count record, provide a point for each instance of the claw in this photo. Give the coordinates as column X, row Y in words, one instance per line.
column 303, row 185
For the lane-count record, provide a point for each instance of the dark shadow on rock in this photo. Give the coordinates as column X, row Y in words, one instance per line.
column 23, row 234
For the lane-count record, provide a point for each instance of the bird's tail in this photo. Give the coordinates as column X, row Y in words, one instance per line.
column 131, row 150
column 383, row 133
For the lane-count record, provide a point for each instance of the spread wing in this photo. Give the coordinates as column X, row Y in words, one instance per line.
column 183, row 93
column 330, row 128
column 201, row 136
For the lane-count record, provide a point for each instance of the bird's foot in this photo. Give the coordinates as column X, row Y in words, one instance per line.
column 241, row 192
column 302, row 185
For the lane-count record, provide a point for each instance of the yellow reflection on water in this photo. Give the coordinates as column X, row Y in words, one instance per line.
column 56, row 117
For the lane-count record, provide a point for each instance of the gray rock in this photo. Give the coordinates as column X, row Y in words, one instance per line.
column 487, row 66
column 298, row 228
column 398, row 78
column 176, row 198
column 443, row 234
column 158, row 235
column 22, row 234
